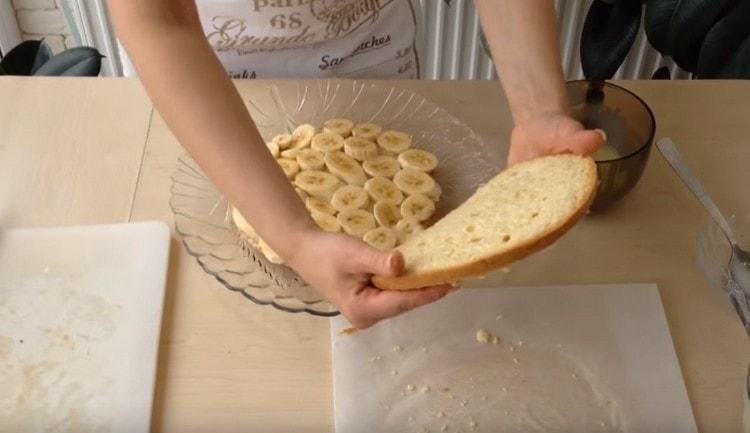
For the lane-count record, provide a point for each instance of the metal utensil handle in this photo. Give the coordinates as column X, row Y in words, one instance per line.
column 668, row 149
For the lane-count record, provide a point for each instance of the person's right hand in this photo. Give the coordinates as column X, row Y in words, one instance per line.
column 339, row 267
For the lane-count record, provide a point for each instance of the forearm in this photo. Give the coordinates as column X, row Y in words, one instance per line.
column 200, row 104
column 524, row 42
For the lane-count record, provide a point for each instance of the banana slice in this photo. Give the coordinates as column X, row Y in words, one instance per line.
column 383, row 165
column 327, row 142
column 349, row 197
column 289, row 166
column 435, row 193
column 356, row 222
column 345, row 167
column 381, row 238
column 317, row 183
column 413, row 181
column 283, row 140
column 394, row 142
column 386, row 214
column 359, row 148
column 368, row 131
column 302, row 135
column 417, row 206
column 418, row 159
column 291, row 153
column 317, row 204
column 407, row 228
column 309, row 159
column 326, row 221
column 342, row 127
column 273, row 147
column 382, row 189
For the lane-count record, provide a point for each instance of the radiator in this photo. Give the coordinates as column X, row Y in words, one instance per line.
column 453, row 49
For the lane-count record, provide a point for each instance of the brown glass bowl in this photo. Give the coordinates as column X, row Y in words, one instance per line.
column 629, row 124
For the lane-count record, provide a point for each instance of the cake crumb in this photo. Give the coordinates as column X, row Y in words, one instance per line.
column 394, row 372
column 348, row 332
column 505, row 390
column 520, row 343
column 512, row 348
column 411, row 418
column 375, row 358
column 440, row 414
column 397, row 348
column 484, row 398
column 574, row 376
column 424, row 349
column 483, row 336
column 472, row 423
column 499, row 317
column 410, row 387
column 425, row 389
column 463, row 403
column 444, row 427
column 515, row 360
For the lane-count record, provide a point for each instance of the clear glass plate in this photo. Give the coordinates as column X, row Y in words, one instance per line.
column 202, row 214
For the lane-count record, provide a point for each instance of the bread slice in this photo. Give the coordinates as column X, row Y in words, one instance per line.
column 520, row 211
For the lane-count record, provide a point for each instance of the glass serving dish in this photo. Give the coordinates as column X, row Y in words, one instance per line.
column 203, row 216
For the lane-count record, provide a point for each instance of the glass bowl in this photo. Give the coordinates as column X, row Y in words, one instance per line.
column 630, row 126
column 203, row 216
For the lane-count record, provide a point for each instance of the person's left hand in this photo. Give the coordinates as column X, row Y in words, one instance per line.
column 550, row 134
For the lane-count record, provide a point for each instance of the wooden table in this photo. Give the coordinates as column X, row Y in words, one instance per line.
column 85, row 151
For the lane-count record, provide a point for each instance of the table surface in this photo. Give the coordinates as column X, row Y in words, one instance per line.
column 87, row 151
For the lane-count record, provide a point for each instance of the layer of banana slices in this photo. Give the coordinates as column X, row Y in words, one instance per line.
column 358, row 179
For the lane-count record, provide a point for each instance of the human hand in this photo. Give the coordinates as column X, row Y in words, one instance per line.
column 339, row 267
column 550, row 134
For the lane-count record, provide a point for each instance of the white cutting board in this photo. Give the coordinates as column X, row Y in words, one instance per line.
column 591, row 358
column 80, row 317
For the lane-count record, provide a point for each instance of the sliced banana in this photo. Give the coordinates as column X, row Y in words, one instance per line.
column 302, row 135
column 326, row 221
column 317, row 183
column 290, row 167
column 359, row 148
column 394, row 142
column 386, row 214
column 291, row 153
column 412, row 181
column 345, row 167
column 327, row 142
column 349, row 197
column 356, row 222
column 368, row 131
column 317, row 204
column 418, row 159
column 381, row 238
column 283, row 140
column 273, row 147
column 342, row 127
column 435, row 193
column 309, row 159
column 383, row 165
column 417, row 206
column 382, row 189
column 407, row 228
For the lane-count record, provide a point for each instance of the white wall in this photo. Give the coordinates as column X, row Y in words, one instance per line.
column 43, row 19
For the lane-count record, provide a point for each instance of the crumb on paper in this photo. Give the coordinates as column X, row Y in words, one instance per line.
column 483, row 336
column 410, row 387
column 46, row 270
column 446, row 389
column 574, row 376
column 424, row 430
column 440, row 414
column 512, row 348
column 515, row 360
column 348, row 332
column 505, row 390
column 520, row 343
column 411, row 418
column 394, row 372
column 499, row 317
column 484, row 398
column 450, row 396
column 402, row 394
column 444, row 427
column 425, row 389
column 495, row 340
column 397, row 348
column 472, row 423
column 463, row 403
column 424, row 349
column 376, row 358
